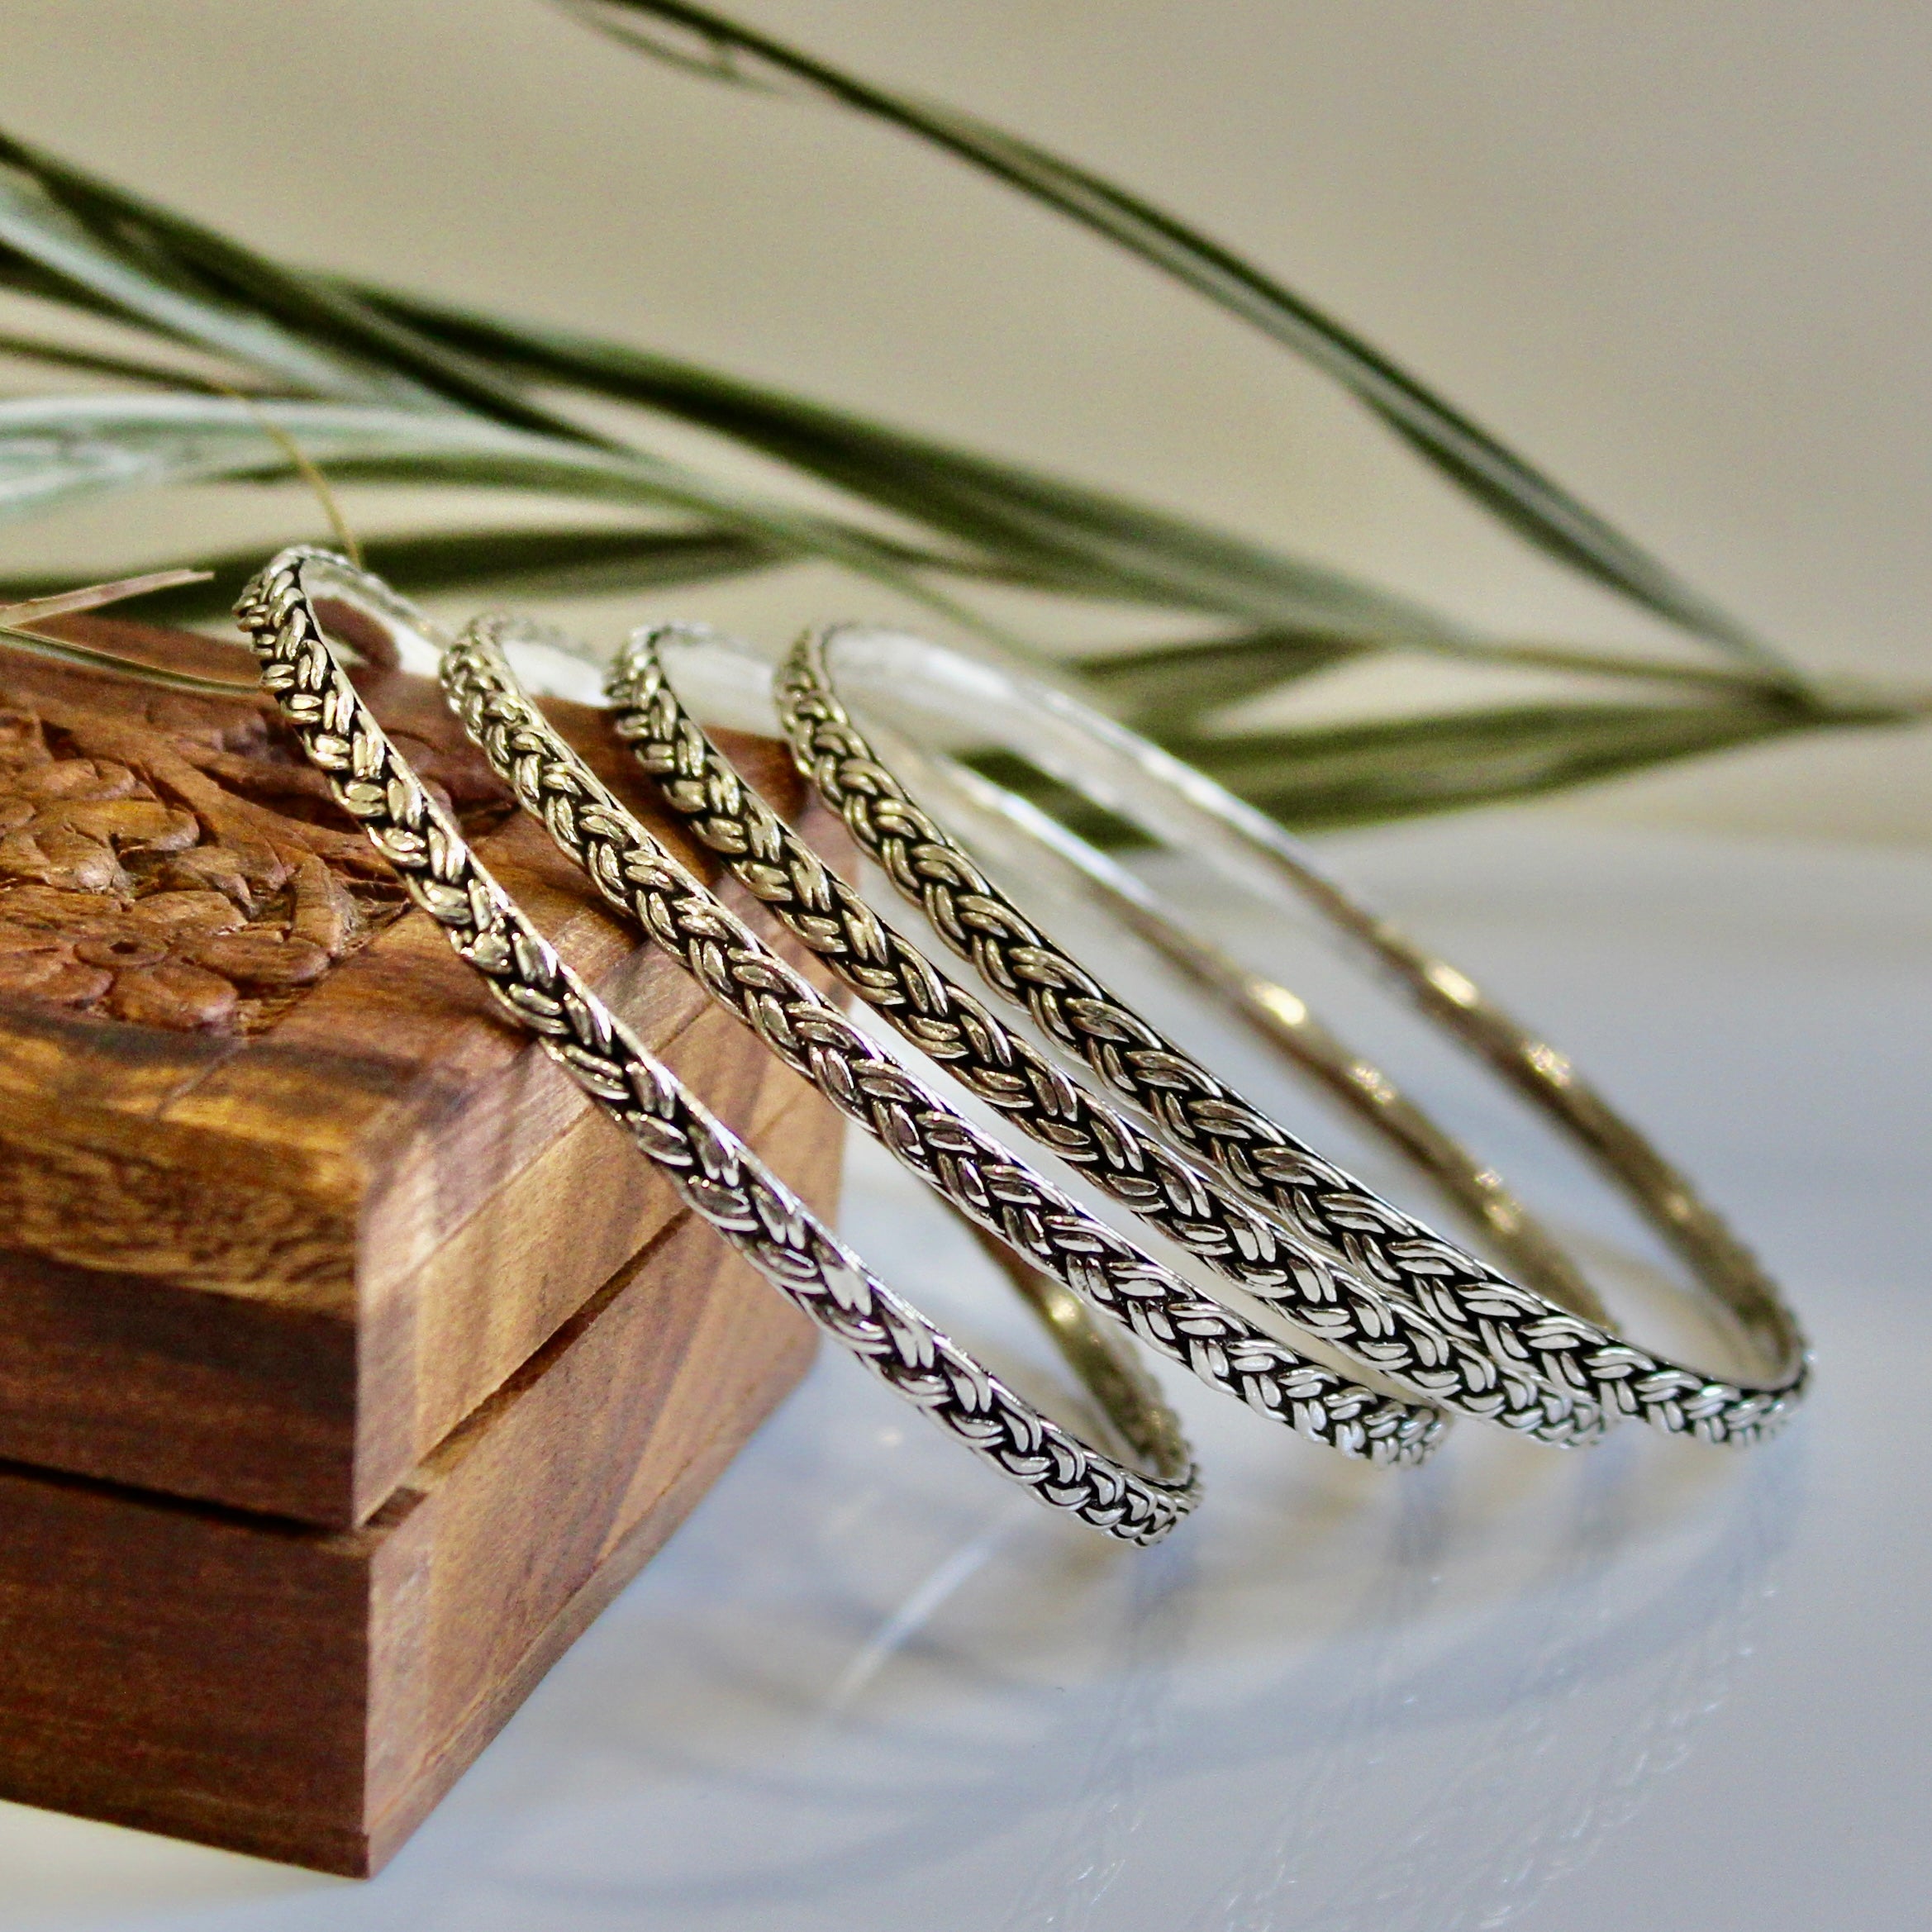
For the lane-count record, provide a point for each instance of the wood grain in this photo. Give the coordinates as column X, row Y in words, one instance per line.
column 272, row 1266
column 308, row 1695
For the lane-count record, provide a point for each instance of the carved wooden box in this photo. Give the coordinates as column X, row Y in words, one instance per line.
column 349, row 1362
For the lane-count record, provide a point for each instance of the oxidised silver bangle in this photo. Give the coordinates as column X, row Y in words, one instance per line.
column 1267, row 1254
column 1467, row 1182
column 717, row 1177
column 1046, row 1226
column 1181, row 807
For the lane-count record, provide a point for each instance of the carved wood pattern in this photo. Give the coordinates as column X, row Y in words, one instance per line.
column 173, row 861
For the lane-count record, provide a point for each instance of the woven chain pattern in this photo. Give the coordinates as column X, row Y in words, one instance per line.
column 1383, row 1249
column 1477, row 1369
column 716, row 1175
column 964, row 1165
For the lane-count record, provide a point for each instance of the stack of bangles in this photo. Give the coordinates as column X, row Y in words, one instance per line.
column 1432, row 1331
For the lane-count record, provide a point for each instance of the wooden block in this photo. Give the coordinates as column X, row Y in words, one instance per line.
column 308, row 1694
column 281, row 1198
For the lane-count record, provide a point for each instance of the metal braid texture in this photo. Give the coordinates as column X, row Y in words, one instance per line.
column 1475, row 1367
column 717, row 1175
column 1038, row 1221
column 1383, row 1249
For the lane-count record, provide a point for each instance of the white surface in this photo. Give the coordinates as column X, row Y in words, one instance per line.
column 865, row 1690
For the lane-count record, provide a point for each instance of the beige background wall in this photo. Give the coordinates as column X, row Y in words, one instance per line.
column 1676, row 254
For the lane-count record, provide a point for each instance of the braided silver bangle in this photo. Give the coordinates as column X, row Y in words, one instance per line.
column 638, row 876
column 717, row 1177
column 1181, row 807
column 1465, row 1181
column 1262, row 1251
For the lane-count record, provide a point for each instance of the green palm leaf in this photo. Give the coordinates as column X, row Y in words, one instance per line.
column 1368, row 774
column 66, row 230
column 1532, row 503
column 1165, row 690
column 1059, row 535
column 1359, row 774
column 506, row 564
column 373, row 385
column 59, row 451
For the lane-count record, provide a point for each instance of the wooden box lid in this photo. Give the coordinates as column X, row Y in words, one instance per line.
column 282, row 1199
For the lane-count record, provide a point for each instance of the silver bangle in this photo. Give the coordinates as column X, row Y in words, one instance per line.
column 717, row 1175
column 1467, row 1182
column 638, row 876
column 1263, row 1252
column 1179, row 806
